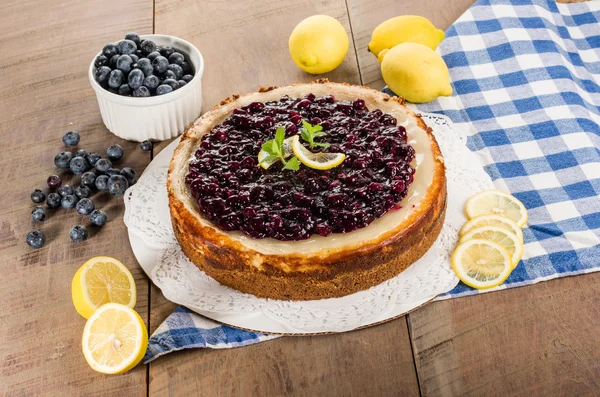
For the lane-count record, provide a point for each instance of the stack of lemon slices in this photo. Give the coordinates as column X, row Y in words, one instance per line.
column 491, row 242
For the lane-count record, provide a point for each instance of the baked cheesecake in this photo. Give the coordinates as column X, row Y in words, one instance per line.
column 305, row 234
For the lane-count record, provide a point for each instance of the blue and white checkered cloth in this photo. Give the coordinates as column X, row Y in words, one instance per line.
column 526, row 77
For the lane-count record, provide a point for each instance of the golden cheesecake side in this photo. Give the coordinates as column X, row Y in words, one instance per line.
column 325, row 273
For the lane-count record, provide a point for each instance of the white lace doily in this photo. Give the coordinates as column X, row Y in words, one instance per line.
column 157, row 250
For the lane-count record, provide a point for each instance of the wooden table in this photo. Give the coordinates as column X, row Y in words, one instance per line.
column 536, row 341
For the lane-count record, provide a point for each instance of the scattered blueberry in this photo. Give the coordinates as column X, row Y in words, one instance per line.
column 68, row 201
column 53, row 200
column 92, row 158
column 82, row 153
column 103, row 165
column 102, row 74
column 124, row 63
column 145, row 65
column 78, row 165
column 109, row 50
column 37, row 196
column 54, row 181
column 135, row 79
column 63, row 159
column 38, row 214
column 117, row 185
column 127, row 47
column 71, row 138
column 35, row 239
column 141, row 92
column 125, row 90
column 65, row 190
column 83, row 192
column 78, row 233
column 171, row 82
column 98, row 217
column 176, row 69
column 102, row 182
column 116, row 78
column 187, row 78
column 176, row 58
column 101, row 60
column 153, row 55
column 133, row 37
column 114, row 152
column 113, row 171
column 163, row 89
column 148, row 46
column 151, row 82
column 85, row 206
column 160, row 64
column 146, row 146
column 129, row 174
column 88, row 179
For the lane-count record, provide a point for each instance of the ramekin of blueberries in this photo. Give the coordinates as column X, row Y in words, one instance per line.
column 97, row 174
column 149, row 86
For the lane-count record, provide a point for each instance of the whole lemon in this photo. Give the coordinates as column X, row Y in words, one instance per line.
column 402, row 29
column 415, row 72
column 318, row 44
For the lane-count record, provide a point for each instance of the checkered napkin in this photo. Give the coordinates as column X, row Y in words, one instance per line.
column 526, row 80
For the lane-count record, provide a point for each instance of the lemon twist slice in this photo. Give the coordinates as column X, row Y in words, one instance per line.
column 509, row 241
column 114, row 339
column 492, row 220
column 317, row 161
column 101, row 280
column 287, row 148
column 481, row 263
column 499, row 203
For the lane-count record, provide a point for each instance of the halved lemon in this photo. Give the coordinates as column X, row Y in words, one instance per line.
column 481, row 263
column 499, row 203
column 509, row 241
column 287, row 148
column 492, row 220
column 317, row 161
column 115, row 339
column 101, row 280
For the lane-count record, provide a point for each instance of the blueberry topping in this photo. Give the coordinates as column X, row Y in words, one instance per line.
column 103, row 165
column 38, row 214
column 71, row 138
column 127, row 47
column 160, row 64
column 68, row 201
column 88, row 179
column 136, row 79
column 65, row 190
column 62, row 159
column 117, row 185
column 78, row 165
column 53, row 200
column 37, row 196
column 85, row 206
column 163, row 89
column 100, row 60
column 35, row 239
column 176, row 58
column 133, row 37
column 78, row 233
column 151, row 82
column 148, row 46
column 129, row 174
column 145, row 65
column 114, row 152
column 98, row 217
column 124, row 63
column 82, row 192
column 141, row 92
column 146, row 146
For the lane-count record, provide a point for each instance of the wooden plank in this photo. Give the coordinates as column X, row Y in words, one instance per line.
column 540, row 340
column 47, row 47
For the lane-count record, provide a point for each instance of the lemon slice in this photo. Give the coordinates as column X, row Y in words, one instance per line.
column 481, row 263
column 114, row 339
column 499, row 203
column 492, row 220
column 101, row 280
column 287, row 148
column 317, row 161
column 509, row 241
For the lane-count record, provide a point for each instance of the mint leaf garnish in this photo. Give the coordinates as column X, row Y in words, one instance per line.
column 309, row 132
column 292, row 164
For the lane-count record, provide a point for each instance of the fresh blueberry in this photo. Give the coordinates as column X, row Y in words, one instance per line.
column 135, row 79
column 102, row 182
column 54, row 181
column 102, row 74
column 163, row 89
column 71, row 138
column 151, row 82
column 176, row 69
column 172, row 82
column 35, row 239
column 129, row 174
column 85, row 206
column 65, row 190
column 98, row 217
column 53, row 200
column 145, row 65
column 117, row 184
column 92, row 158
column 100, row 60
column 68, row 201
column 166, row 51
column 82, row 192
column 124, row 63
column 181, row 83
column 148, row 46
column 127, row 47
column 112, row 62
column 141, row 92
column 113, row 171
column 125, row 90
column 133, row 37
column 109, row 50
column 187, row 69
column 187, row 78
column 139, row 52
column 153, row 55
column 63, row 159
column 78, row 233
column 168, row 75
column 176, row 58
column 37, row 196
column 103, row 165
column 146, row 146
column 113, row 90
column 38, row 214
column 78, row 165
column 116, row 78
column 134, row 58
column 88, row 179
column 160, row 64
column 114, row 152
column 82, row 153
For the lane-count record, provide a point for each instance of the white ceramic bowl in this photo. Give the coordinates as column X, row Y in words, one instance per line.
column 158, row 117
